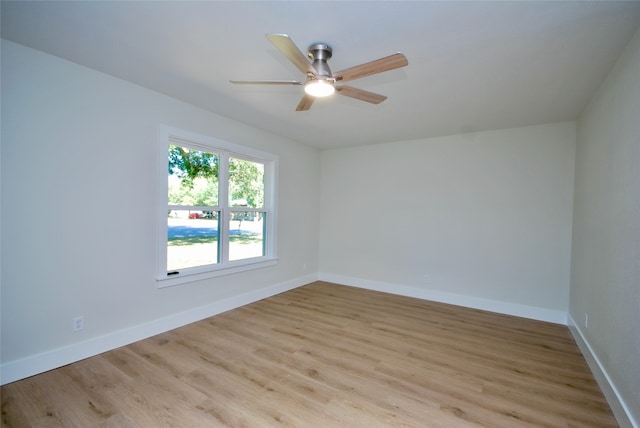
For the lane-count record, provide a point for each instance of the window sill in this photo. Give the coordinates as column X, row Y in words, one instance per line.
column 196, row 274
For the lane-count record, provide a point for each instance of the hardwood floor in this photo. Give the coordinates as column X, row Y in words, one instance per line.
column 325, row 355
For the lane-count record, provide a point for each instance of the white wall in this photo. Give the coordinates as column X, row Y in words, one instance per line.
column 79, row 162
column 605, row 274
column 487, row 216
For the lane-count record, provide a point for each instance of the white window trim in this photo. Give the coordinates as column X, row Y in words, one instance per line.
column 173, row 136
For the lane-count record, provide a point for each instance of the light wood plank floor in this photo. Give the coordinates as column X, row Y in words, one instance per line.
column 325, row 355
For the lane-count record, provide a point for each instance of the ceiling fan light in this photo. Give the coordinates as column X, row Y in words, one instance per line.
column 319, row 88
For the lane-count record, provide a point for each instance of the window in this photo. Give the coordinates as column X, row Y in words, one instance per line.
column 217, row 208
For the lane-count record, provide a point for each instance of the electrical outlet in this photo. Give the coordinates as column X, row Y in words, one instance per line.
column 586, row 320
column 78, row 323
column 426, row 278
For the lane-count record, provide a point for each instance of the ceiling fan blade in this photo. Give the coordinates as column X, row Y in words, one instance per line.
column 291, row 51
column 360, row 94
column 387, row 63
column 305, row 103
column 266, row 82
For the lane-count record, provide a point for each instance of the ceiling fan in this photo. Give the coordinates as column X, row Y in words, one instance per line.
column 321, row 82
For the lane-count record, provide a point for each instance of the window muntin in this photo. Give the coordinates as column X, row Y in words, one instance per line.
column 218, row 208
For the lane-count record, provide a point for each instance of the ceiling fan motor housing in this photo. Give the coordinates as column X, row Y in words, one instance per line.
column 320, row 53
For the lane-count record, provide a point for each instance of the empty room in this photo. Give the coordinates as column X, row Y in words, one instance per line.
column 320, row 214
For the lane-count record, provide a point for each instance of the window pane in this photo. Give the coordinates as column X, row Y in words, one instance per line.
column 246, row 183
column 246, row 235
column 193, row 239
column 193, row 177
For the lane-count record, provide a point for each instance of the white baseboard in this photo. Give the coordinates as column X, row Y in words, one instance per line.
column 618, row 406
column 515, row 309
column 34, row 364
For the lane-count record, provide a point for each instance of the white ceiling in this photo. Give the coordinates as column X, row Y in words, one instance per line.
column 473, row 66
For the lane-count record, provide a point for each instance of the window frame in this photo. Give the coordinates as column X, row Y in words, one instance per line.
column 168, row 136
